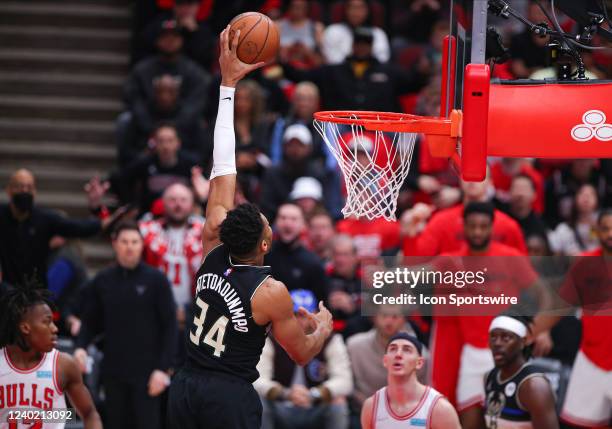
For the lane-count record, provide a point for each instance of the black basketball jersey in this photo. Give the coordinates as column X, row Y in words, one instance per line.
column 503, row 409
column 223, row 335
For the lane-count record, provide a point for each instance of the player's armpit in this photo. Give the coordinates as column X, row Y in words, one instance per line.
column 444, row 416
column 535, row 395
column 366, row 413
column 72, row 384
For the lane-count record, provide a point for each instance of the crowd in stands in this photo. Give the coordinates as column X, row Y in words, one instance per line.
column 334, row 55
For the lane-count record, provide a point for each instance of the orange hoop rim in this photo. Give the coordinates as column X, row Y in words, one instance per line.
column 395, row 122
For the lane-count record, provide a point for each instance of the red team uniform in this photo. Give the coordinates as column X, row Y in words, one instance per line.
column 177, row 252
column 589, row 285
column 371, row 237
column 36, row 388
column 444, row 234
column 460, row 350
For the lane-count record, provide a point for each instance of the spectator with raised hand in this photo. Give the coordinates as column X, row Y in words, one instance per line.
column 338, row 38
column 429, row 234
column 139, row 90
column 146, row 178
column 130, row 303
column 26, row 229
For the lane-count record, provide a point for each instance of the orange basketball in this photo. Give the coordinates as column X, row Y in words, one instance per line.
column 259, row 37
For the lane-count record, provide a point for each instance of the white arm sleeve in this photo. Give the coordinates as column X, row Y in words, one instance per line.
column 224, row 146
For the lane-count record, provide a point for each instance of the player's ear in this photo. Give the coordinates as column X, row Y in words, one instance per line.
column 24, row 328
column 420, row 362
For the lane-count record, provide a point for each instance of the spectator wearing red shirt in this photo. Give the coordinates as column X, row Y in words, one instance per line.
column 507, row 169
column 373, row 238
column 588, row 401
column 460, row 351
column 444, row 232
column 174, row 243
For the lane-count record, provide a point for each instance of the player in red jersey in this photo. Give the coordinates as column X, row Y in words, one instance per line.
column 33, row 374
column 444, row 232
column 588, row 401
column 460, row 344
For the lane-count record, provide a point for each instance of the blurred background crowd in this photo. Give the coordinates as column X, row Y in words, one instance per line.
column 351, row 55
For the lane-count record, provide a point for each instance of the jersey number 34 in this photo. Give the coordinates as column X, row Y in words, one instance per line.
column 214, row 336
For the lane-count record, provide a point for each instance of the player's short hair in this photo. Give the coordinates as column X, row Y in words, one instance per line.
column 402, row 335
column 526, row 320
column 14, row 303
column 485, row 208
column 126, row 225
column 242, row 228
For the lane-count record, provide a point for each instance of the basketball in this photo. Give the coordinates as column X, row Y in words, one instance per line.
column 259, row 37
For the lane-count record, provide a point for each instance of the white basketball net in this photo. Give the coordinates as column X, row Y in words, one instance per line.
column 374, row 180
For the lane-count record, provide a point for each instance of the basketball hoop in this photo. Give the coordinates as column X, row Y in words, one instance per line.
column 374, row 151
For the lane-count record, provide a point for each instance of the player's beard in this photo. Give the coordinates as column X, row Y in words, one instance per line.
column 479, row 247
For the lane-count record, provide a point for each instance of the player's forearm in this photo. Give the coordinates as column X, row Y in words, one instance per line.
column 224, row 156
column 314, row 344
column 91, row 420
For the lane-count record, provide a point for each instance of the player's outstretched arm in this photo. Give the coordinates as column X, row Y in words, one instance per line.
column 274, row 303
column 72, row 383
column 444, row 416
column 366, row 413
column 536, row 396
column 223, row 175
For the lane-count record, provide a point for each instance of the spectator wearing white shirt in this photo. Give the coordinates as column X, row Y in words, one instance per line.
column 338, row 38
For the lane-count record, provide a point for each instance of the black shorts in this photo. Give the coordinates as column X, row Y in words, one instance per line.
column 210, row 400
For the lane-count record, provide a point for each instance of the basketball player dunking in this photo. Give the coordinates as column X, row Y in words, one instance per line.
column 405, row 403
column 237, row 300
column 34, row 376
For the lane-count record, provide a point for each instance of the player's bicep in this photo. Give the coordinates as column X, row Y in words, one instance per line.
column 444, row 416
column 286, row 329
column 221, row 195
column 366, row 413
column 74, row 387
column 536, row 396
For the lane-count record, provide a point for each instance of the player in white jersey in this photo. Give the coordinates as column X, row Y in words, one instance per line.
column 405, row 403
column 34, row 376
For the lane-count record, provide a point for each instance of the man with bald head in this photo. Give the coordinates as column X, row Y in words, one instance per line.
column 26, row 229
column 173, row 243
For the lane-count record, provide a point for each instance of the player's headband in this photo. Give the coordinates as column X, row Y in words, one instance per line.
column 509, row 324
column 406, row 336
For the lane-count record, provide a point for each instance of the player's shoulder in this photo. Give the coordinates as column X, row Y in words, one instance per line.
column 444, row 415
column 67, row 367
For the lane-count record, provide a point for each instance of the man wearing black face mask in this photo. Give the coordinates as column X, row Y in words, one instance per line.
column 291, row 262
column 26, row 230
column 361, row 82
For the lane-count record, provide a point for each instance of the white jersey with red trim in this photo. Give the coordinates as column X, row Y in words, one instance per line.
column 35, row 388
column 175, row 251
column 419, row 418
